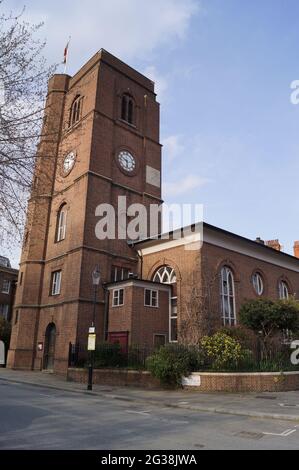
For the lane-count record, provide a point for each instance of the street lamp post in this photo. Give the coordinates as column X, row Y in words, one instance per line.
column 96, row 279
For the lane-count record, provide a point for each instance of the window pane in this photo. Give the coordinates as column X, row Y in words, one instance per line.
column 154, row 298
column 147, row 297
column 174, row 329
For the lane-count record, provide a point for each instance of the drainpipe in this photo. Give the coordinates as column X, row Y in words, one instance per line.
column 140, row 256
column 106, row 312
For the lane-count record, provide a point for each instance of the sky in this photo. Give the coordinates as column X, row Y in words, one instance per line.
column 223, row 71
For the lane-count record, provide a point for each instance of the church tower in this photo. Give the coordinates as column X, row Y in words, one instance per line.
column 100, row 140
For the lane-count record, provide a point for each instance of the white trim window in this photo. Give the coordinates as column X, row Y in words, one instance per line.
column 4, row 311
column 258, row 284
column 173, row 321
column 61, row 224
column 56, row 283
column 283, row 290
column 6, row 287
column 165, row 275
column 118, row 297
column 228, row 302
column 151, row 298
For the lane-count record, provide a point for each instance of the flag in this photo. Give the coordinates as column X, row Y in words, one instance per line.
column 66, row 50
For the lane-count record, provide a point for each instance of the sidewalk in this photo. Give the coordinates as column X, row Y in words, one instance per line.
column 283, row 405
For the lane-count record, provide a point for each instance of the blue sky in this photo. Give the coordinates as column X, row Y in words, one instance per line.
column 223, row 70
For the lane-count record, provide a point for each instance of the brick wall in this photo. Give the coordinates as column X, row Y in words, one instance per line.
column 255, row 382
column 121, row 378
column 142, row 322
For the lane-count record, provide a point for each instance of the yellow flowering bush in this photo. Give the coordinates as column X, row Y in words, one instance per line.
column 223, row 351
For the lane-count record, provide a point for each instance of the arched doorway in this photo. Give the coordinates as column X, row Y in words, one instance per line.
column 50, row 339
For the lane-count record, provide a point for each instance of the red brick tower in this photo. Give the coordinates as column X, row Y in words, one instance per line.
column 101, row 141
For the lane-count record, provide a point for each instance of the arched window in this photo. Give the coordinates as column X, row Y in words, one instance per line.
column 258, row 283
column 228, row 303
column 61, row 223
column 76, row 110
column 166, row 275
column 127, row 109
column 283, row 290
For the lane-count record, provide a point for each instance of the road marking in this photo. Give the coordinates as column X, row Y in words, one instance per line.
column 143, row 413
column 286, row 433
column 288, row 405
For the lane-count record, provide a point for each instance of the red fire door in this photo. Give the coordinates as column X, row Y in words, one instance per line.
column 121, row 338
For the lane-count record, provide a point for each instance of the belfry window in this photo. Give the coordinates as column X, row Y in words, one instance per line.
column 228, row 303
column 76, row 110
column 127, row 109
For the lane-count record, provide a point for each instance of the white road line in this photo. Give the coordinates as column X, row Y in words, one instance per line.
column 286, row 433
column 143, row 413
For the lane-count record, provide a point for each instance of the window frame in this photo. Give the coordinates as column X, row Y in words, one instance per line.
column 116, row 299
column 75, row 113
column 159, row 335
column 4, row 311
column 61, row 224
column 283, row 287
column 127, row 114
column 56, row 277
column 151, row 291
column 116, row 270
column 228, row 298
column 7, row 283
column 258, row 283
column 165, row 274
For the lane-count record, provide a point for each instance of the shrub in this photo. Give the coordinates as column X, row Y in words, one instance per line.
column 267, row 318
column 172, row 362
column 240, row 333
column 109, row 355
column 223, row 351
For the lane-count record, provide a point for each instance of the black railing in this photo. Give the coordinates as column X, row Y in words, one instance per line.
column 109, row 355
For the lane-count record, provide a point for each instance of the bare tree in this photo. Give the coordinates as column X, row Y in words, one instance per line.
column 23, row 82
column 199, row 314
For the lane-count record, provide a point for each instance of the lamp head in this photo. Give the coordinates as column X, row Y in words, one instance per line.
column 96, row 276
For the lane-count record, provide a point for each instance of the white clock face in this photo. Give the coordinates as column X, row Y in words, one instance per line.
column 69, row 162
column 127, row 161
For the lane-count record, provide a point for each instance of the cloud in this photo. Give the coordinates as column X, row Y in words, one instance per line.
column 184, row 185
column 130, row 29
column 161, row 83
column 172, row 147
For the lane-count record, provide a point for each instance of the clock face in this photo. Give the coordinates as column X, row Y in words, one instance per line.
column 127, row 161
column 69, row 162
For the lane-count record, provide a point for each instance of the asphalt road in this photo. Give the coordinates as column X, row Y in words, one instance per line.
column 39, row 418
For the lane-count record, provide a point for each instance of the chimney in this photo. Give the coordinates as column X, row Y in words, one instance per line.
column 260, row 241
column 274, row 244
column 296, row 249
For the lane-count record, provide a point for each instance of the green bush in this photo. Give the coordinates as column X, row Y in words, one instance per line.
column 172, row 362
column 222, row 351
column 109, row 355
